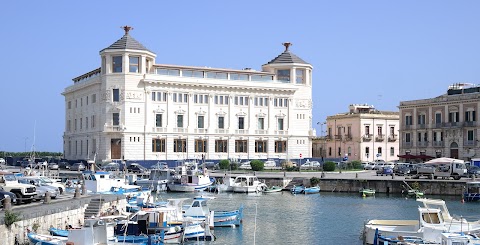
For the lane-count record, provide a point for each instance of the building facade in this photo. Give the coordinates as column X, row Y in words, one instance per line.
column 132, row 108
column 444, row 126
column 364, row 134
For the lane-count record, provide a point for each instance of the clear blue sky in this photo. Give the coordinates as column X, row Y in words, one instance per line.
column 375, row 52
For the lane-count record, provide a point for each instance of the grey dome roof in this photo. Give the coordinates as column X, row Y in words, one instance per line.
column 287, row 57
column 127, row 42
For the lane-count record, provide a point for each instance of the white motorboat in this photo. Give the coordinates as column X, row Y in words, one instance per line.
column 434, row 219
column 158, row 179
column 248, row 184
column 189, row 179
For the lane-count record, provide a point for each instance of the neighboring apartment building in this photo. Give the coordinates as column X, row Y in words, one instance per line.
column 134, row 109
column 363, row 134
column 444, row 126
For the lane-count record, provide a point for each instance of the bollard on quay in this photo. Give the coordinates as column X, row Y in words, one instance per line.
column 47, row 198
column 7, row 203
column 77, row 193
column 84, row 189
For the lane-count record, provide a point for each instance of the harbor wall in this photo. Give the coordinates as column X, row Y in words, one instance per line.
column 59, row 214
column 390, row 186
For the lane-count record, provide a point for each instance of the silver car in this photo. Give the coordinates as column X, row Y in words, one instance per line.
column 41, row 188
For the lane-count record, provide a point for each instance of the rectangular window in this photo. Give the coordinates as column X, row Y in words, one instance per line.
column 379, row 151
column 408, row 138
column 179, row 121
column 94, row 98
column 392, row 130
column 115, row 119
column 69, row 125
column 261, row 123
column 392, row 151
column 168, row 72
column 158, row 120
column 261, row 146
column 69, row 105
column 75, row 124
column 86, row 100
column 235, row 76
column 180, row 145
column 241, row 146
column 117, row 64
column 408, row 120
column 221, row 146
column 379, row 130
column 116, row 95
column 367, row 129
column 241, row 123
column 438, row 118
column 200, row 145
column 86, row 122
column 158, row 145
column 280, row 146
column 283, row 75
column 421, row 119
column 470, row 135
column 201, row 120
column 93, row 121
column 300, row 76
column 221, row 122
column 134, row 64
column 280, row 124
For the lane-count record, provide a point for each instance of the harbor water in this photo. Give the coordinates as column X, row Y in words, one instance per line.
column 325, row 218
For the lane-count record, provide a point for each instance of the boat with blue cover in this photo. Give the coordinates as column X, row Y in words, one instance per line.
column 312, row 190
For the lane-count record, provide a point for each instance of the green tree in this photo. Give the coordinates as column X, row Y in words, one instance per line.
column 224, row 164
column 329, row 166
column 257, row 165
column 356, row 164
column 314, row 181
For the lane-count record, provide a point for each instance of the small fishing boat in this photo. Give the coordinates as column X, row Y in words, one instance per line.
column 367, row 192
column 297, row 189
column 415, row 193
column 248, row 184
column 312, row 190
column 472, row 191
column 58, row 232
column 45, row 239
column 273, row 189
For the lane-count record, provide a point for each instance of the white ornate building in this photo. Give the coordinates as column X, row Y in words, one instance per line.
column 134, row 109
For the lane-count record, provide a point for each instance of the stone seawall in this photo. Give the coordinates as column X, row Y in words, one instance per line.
column 59, row 214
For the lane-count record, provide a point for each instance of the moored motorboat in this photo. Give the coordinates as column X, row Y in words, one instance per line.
column 248, row 184
column 472, row 191
column 273, row 189
column 300, row 189
column 40, row 239
column 189, row 179
column 312, row 190
column 367, row 192
column 415, row 193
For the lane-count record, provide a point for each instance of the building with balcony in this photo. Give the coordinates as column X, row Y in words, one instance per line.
column 363, row 134
column 131, row 108
column 444, row 126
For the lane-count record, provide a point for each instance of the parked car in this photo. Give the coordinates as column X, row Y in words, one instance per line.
column 4, row 194
column 136, row 168
column 379, row 165
column 245, row 165
column 40, row 187
column 370, row 166
column 77, row 167
column 53, row 166
column 310, row 165
column 113, row 166
column 159, row 165
column 385, row 171
column 401, row 170
column 474, row 171
column 64, row 165
column 208, row 165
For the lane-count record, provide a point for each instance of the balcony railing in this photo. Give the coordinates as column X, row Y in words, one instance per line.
column 348, row 137
column 261, row 131
column 407, row 127
column 241, row 131
column 113, row 128
column 338, row 137
column 392, row 137
column 455, row 124
column 470, row 124
column 328, row 137
column 201, row 131
column 367, row 137
column 159, row 130
column 469, row 143
column 438, row 143
column 422, row 126
column 407, row 144
column 221, row 131
column 380, row 137
column 422, row 143
column 179, row 130
column 281, row 132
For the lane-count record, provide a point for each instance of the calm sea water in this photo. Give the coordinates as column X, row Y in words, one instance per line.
column 325, row 218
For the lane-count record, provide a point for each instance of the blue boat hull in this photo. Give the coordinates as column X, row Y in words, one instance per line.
column 471, row 197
